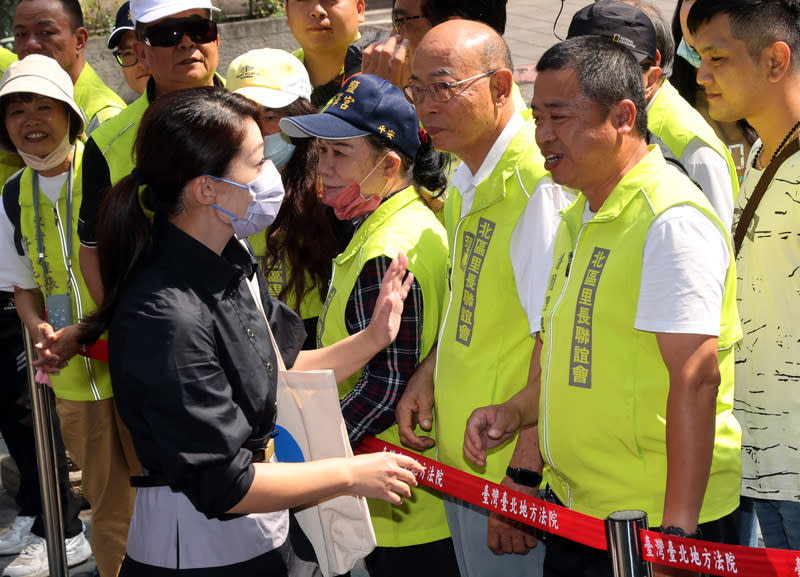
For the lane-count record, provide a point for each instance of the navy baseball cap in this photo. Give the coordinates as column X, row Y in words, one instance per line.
column 619, row 21
column 366, row 104
column 121, row 24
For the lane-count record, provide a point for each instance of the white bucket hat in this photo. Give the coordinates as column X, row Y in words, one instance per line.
column 41, row 75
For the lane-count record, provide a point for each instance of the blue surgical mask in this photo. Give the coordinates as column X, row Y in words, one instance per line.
column 278, row 148
column 688, row 53
column 267, row 195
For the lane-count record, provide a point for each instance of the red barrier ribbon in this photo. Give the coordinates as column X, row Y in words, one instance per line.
column 690, row 554
column 502, row 500
column 98, row 350
column 718, row 558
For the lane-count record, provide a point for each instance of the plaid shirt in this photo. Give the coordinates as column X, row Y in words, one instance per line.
column 369, row 408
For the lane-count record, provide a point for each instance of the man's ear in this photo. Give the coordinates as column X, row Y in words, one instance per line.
column 361, row 8
column 81, row 38
column 623, row 116
column 778, row 59
column 502, row 82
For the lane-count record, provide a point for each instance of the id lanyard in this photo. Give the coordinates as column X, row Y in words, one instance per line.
column 67, row 225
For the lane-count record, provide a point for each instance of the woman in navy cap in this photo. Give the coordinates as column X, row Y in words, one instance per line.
column 373, row 160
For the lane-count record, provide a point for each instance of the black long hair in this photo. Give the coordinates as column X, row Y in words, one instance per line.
column 183, row 134
column 305, row 231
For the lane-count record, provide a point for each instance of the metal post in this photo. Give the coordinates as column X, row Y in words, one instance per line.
column 624, row 545
column 43, row 409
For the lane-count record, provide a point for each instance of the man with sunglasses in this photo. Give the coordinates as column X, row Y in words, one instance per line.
column 501, row 204
column 178, row 43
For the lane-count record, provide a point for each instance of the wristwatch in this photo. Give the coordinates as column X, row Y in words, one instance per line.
column 524, row 476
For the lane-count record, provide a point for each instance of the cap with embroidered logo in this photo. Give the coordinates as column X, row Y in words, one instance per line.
column 122, row 24
column 619, row 21
column 273, row 78
column 366, row 104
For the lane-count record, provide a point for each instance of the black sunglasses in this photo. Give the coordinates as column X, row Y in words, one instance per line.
column 170, row 32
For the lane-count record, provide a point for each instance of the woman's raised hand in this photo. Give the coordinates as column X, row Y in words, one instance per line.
column 385, row 321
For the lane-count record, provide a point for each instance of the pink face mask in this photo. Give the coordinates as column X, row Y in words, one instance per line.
column 349, row 204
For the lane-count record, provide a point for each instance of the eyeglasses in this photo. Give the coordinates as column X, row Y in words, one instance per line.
column 439, row 91
column 399, row 21
column 170, row 32
column 125, row 58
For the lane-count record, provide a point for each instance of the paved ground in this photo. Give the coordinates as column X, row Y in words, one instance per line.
column 529, row 33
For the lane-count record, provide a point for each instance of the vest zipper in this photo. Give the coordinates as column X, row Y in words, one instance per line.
column 543, row 417
column 73, row 284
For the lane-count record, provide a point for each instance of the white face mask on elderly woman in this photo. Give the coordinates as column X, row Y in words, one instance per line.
column 267, row 192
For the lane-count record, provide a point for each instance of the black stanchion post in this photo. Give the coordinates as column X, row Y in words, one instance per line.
column 624, row 545
column 43, row 409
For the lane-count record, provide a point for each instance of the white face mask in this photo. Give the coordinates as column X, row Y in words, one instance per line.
column 278, row 148
column 267, row 194
column 52, row 160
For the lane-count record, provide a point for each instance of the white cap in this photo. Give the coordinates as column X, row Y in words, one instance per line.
column 147, row 11
column 273, row 78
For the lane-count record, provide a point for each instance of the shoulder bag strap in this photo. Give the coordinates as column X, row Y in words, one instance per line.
column 252, row 284
column 758, row 193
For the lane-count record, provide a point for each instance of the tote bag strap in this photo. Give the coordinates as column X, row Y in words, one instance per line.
column 252, row 284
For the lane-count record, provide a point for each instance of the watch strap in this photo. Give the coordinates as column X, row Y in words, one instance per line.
column 524, row 477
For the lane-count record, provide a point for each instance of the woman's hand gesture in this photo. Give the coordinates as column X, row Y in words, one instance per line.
column 385, row 321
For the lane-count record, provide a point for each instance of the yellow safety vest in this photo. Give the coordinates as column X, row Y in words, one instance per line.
column 602, row 409
column 403, row 222
column 83, row 379
column 485, row 344
column 97, row 101
column 672, row 119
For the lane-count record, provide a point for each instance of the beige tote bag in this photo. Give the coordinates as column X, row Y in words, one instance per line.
column 339, row 528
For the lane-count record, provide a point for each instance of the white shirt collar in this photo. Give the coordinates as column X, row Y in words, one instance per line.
column 463, row 179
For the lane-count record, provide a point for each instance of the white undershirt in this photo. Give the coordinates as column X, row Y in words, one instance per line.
column 15, row 269
column 531, row 247
column 51, row 185
column 684, row 261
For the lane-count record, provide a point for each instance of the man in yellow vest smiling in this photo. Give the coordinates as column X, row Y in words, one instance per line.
column 673, row 122
column 631, row 380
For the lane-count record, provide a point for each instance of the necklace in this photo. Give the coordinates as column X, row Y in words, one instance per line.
column 777, row 150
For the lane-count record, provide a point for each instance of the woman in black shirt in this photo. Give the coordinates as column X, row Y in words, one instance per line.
column 193, row 368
